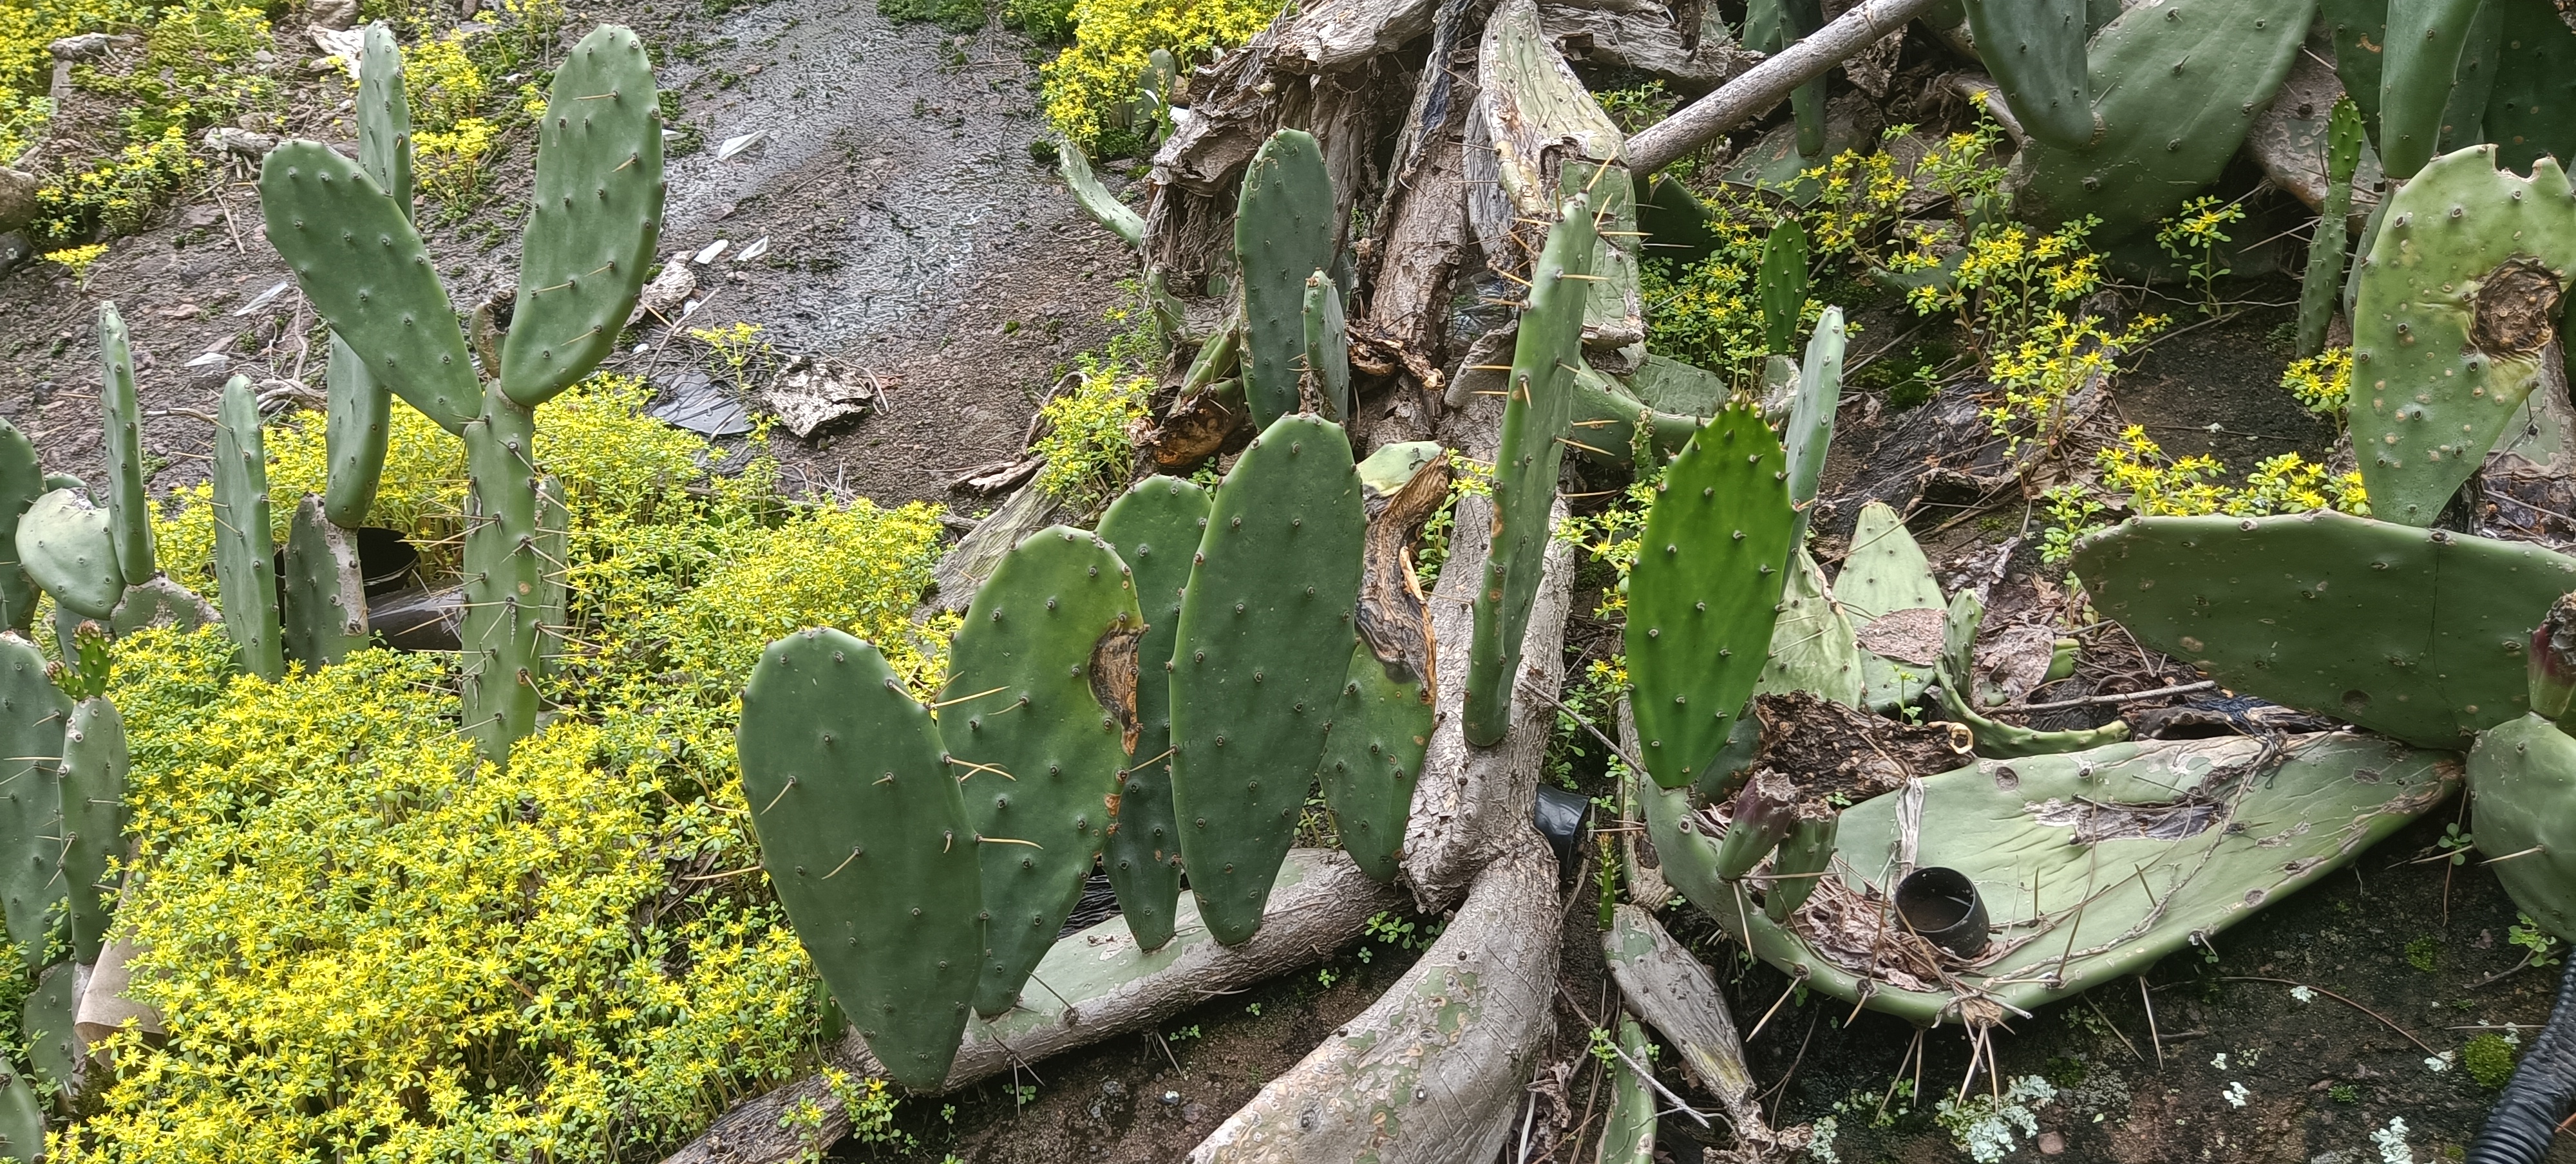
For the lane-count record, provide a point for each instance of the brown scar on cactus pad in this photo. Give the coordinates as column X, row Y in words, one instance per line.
column 1113, row 681
column 2517, row 308
column 1842, row 755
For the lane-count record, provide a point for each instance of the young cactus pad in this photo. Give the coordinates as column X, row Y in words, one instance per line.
column 1328, row 347
column 863, row 830
column 1155, row 527
column 32, row 714
column 1536, row 415
column 22, row 481
column 245, row 558
column 1809, row 432
column 356, row 425
column 1283, row 232
column 129, row 507
column 324, row 615
column 505, row 579
column 1782, row 284
column 2326, row 250
column 94, row 770
column 2035, row 49
column 1264, row 647
column 1382, row 722
column 2455, row 311
column 64, row 546
column 593, row 219
column 1040, row 716
column 1705, row 592
column 2416, row 634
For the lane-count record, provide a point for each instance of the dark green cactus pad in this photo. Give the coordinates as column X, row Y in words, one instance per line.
column 22, row 1113
column 1328, row 348
column 2035, row 49
column 1705, row 592
column 1780, row 285
column 506, row 579
column 2522, row 786
column 593, row 219
column 2471, row 80
column 2416, row 634
column 94, row 771
column 356, row 423
column 65, row 546
column 1809, row 433
column 363, row 268
column 2457, row 304
column 1605, row 419
column 53, row 1046
column 1155, row 527
column 2176, row 87
column 1283, row 232
column 129, row 506
column 322, row 616
column 1041, row 717
column 2425, row 42
column 1803, row 858
column 1669, row 385
column 1537, row 416
column 158, row 601
column 2326, row 249
column 2531, row 111
column 2360, row 29
column 1613, row 303
column 22, row 481
column 245, row 556
column 863, row 831
column 1264, row 646
column 33, row 713
column 384, row 116
column 1799, row 19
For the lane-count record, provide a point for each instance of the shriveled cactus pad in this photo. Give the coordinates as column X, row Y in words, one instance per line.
column 2127, row 850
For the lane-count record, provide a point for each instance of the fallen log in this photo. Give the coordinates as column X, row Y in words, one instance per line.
column 1768, row 83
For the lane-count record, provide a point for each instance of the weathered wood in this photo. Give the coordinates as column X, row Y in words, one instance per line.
column 963, row 569
column 2288, row 138
column 1765, row 84
column 1648, row 42
column 1340, row 34
column 1535, row 115
column 1093, row 985
column 1434, row 1072
column 1421, row 221
column 1678, row 996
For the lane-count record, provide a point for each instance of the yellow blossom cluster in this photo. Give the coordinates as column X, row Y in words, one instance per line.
column 1093, row 82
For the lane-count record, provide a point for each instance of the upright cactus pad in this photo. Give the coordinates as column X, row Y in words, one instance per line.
column 2415, row 634
column 2035, row 49
column 1799, row 19
column 1094, row 198
column 1781, row 284
column 2326, row 251
column 1675, row 223
column 2175, row 89
column 22, row 481
column 1283, row 232
column 2360, row 29
column 53, row 1043
column 363, row 268
column 2425, row 41
column 1536, row 416
column 2456, row 307
column 1155, row 527
column 593, row 220
column 1885, row 570
column 2522, row 780
column 245, row 558
column 1040, row 717
column 2532, row 109
column 33, row 713
column 129, row 506
column 1328, row 348
column 65, row 545
column 1264, row 647
column 94, row 770
column 356, row 423
column 384, row 115
column 1814, row 646
column 1809, row 432
column 22, row 1112
column 863, row 830
column 505, row 579
column 1705, row 592
column 324, row 613
column 1382, row 722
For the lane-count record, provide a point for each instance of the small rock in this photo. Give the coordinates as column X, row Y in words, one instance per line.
column 225, row 139
column 1171, row 1099
column 2051, row 1144
column 336, row 15
column 17, row 198
column 811, row 393
column 182, row 311
column 1192, row 1113
column 91, row 45
column 661, row 298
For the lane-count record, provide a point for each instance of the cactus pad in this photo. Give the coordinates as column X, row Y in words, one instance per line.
column 1283, row 232
column 1956, row 672
column 32, row 716
column 129, row 507
column 94, row 770
column 864, row 833
column 1809, row 433
column 1328, row 348
column 2416, row 634
column 2532, row 109
column 2522, row 781
column 357, row 421
column 22, row 481
column 1040, row 717
column 323, row 615
column 1814, row 646
column 2456, row 304
column 2035, row 49
column 65, row 546
column 1705, row 592
column 245, row 559
column 384, row 115
column 1155, row 527
column 158, row 601
column 1382, row 722
column 593, row 219
column 1781, row 284
column 1264, row 646
column 505, row 579
column 2425, row 43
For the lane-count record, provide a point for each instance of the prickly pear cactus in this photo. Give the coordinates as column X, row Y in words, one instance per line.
column 1675, row 223
column 1536, row 417
column 2457, row 301
column 1804, row 856
column 356, row 424
column 1328, row 348
column 66, row 548
column 2522, row 778
column 1799, row 19
column 1095, row 199
column 1810, row 430
column 1814, row 646
column 1781, row 284
column 2326, row 251
column 129, row 507
column 2035, row 49
column 22, row 1112
column 1283, row 232
column 245, row 559
column 53, row 1043
column 2175, row 89
column 1264, row 647
column 384, row 115
column 32, row 714
column 1603, row 428
column 158, row 601
column 863, row 830
column 2360, row 30
column 1155, row 527
column 22, row 481
column 2531, row 111
column 1705, row 592
column 1040, row 715
column 2425, row 40
column 1885, row 570
column 365, row 271
column 554, row 566
column 324, row 613
column 593, row 219
column 1956, row 673
column 1382, row 722
column 2415, row 634
column 505, row 579
column 94, row 770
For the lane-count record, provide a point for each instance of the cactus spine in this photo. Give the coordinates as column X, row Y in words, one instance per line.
column 2035, row 49
column 1283, row 232
column 245, row 559
column 1041, row 717
column 1704, row 594
column 1265, row 636
column 129, row 508
column 324, row 616
column 32, row 715
column 863, row 831
column 1536, row 416
column 1155, row 527
column 356, row 422
column 22, row 481
column 2325, row 251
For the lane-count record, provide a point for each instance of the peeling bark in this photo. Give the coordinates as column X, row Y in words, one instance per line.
column 1678, row 996
column 1647, row 41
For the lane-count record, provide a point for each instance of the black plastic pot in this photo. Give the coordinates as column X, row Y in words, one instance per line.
column 418, row 620
column 1559, row 816
column 1942, row 905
